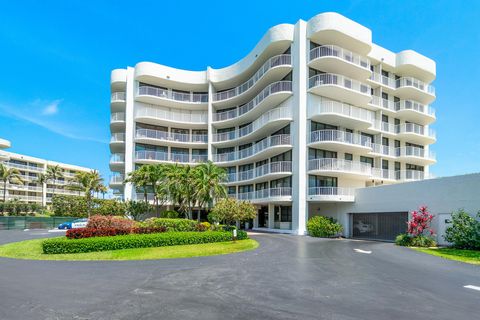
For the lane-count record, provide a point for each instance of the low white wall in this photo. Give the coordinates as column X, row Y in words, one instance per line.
column 442, row 196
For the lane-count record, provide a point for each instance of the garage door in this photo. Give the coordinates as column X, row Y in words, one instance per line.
column 378, row 226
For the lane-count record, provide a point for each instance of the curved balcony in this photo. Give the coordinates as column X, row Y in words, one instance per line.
column 268, row 171
column 384, row 104
column 388, row 84
column 274, row 68
column 383, row 175
column 339, row 167
column 271, row 96
column 117, row 101
column 157, row 137
column 272, row 120
column 383, row 151
column 169, row 97
column 341, row 141
column 282, row 194
column 410, row 175
column 340, row 88
column 331, row 194
column 263, row 149
column 411, row 88
column 416, row 133
column 416, row 155
column 179, row 118
column 24, row 167
column 117, row 180
column 383, row 127
column 335, row 59
column 117, row 161
column 415, row 111
column 341, row 114
column 117, row 121
column 151, row 157
column 117, row 141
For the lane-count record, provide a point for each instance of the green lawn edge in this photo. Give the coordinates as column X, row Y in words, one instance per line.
column 32, row 250
column 466, row 256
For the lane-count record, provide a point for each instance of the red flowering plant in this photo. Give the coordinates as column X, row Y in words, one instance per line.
column 419, row 231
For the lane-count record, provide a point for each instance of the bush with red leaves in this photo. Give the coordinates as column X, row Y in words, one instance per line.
column 101, row 222
column 80, row 233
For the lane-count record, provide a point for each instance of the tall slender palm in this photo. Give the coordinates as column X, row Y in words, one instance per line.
column 140, row 179
column 181, row 187
column 103, row 190
column 54, row 173
column 8, row 175
column 42, row 179
column 88, row 182
column 157, row 177
column 208, row 184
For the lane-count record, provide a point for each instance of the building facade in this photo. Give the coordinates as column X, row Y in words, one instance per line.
column 33, row 190
column 313, row 112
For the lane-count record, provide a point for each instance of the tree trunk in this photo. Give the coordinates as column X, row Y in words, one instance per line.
column 4, row 196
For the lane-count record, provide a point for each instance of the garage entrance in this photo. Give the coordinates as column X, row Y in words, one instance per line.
column 383, row 226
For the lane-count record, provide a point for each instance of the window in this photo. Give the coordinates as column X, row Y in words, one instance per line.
column 247, row 188
column 148, row 147
column 398, row 166
column 245, row 167
column 315, row 126
column 385, row 73
column 397, row 143
column 414, row 167
column 385, row 164
column 281, row 183
column 231, row 190
column 286, row 156
column 244, row 146
column 384, row 96
column 284, row 130
column 348, row 156
column 321, row 154
column 385, row 141
column 397, row 122
column 367, row 160
column 384, row 118
column 261, row 186
column 261, row 163
column 321, row 181
column 413, row 145
column 225, row 150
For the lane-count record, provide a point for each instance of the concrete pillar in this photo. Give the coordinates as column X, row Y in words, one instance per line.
column 271, row 217
column 209, row 117
column 129, row 192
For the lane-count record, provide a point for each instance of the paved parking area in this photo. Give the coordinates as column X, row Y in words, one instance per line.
column 288, row 277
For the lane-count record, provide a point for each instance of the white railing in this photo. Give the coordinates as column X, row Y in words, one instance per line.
column 171, row 157
column 415, row 128
column 410, row 175
column 383, row 103
column 342, row 109
column 269, row 116
column 340, row 136
column 117, row 116
column 170, row 136
column 277, row 140
column 333, row 164
column 386, row 81
column 117, row 179
column 331, row 191
column 415, row 106
column 169, row 114
column 280, row 86
column 411, row 151
column 117, row 158
column 412, row 82
column 383, row 174
column 117, row 96
column 339, row 52
column 21, row 197
column 265, row 194
column 280, row 60
column 383, row 150
column 339, row 80
column 268, row 168
column 23, row 166
column 118, row 137
column 384, row 126
column 21, row 187
column 172, row 94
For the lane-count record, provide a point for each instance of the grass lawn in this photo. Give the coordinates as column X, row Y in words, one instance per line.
column 32, row 250
column 467, row 256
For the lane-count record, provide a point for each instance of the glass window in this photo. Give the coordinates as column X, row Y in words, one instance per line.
column 281, row 183
column 367, row 160
column 315, row 126
column 286, row 156
column 321, row 181
column 348, row 156
column 284, row 130
column 321, row 154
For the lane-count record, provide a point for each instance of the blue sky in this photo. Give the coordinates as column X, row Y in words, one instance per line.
column 57, row 56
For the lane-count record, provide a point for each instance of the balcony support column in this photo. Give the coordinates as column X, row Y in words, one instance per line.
column 129, row 190
column 271, row 216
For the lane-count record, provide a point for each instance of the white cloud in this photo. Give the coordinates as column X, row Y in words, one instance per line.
column 51, row 108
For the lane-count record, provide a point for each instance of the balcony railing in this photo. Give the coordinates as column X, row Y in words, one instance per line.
column 383, row 103
column 386, row 81
column 331, row 191
column 197, row 117
column 117, row 117
column 117, row 179
column 23, row 166
column 406, row 175
column 416, row 129
column 265, row 194
column 171, row 157
column 384, row 126
column 269, row 116
column 171, row 136
column 342, row 109
column 340, row 136
column 117, row 96
column 117, row 158
column 339, row 52
column 338, row 80
column 341, row 165
column 173, row 95
column 411, row 151
column 277, row 140
column 268, row 168
column 412, row 82
column 118, row 137
column 383, row 150
column 415, row 106
column 280, row 60
column 280, row 86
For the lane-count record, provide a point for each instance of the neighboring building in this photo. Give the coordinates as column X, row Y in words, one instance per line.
column 32, row 190
column 315, row 111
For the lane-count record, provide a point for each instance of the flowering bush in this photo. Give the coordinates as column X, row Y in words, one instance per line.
column 101, row 222
column 80, row 233
column 419, row 233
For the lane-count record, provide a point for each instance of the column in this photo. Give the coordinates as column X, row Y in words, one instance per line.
column 129, row 192
column 210, row 116
column 271, row 217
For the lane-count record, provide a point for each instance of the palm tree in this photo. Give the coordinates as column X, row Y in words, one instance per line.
column 157, row 176
column 140, row 179
column 42, row 179
column 181, row 187
column 103, row 190
column 54, row 173
column 88, row 182
column 8, row 175
column 208, row 184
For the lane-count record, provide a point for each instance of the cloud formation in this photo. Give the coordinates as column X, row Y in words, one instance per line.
column 51, row 108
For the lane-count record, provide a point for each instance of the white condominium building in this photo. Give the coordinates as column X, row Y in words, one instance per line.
column 33, row 189
column 313, row 112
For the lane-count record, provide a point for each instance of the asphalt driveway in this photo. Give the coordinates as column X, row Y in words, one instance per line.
column 288, row 277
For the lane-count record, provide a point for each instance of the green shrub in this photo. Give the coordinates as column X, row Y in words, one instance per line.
column 406, row 240
column 169, row 214
column 321, row 226
column 171, row 224
column 464, row 233
column 76, row 206
column 64, row 245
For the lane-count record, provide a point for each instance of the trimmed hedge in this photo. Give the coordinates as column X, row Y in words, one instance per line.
column 64, row 245
column 81, row 233
column 171, row 224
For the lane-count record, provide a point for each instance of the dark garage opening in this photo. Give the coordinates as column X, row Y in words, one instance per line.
column 383, row 226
